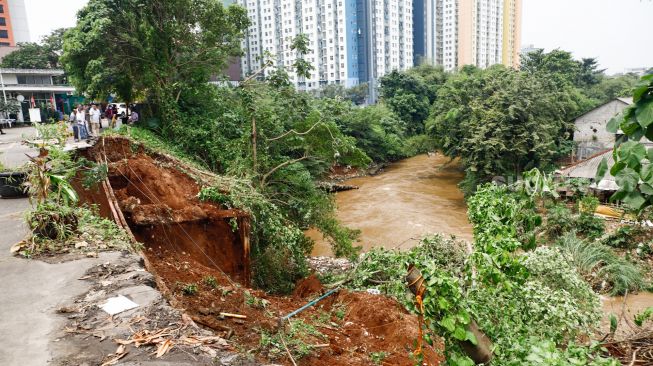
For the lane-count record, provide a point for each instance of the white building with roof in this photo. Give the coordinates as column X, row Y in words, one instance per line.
column 590, row 133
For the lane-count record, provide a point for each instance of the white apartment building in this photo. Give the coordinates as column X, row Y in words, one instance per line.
column 350, row 41
column 385, row 39
column 330, row 26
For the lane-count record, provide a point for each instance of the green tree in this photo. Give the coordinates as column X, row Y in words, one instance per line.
column 610, row 88
column 43, row 55
column 633, row 168
column 53, row 46
column 358, row 93
column 589, row 73
column 377, row 131
column 500, row 121
column 27, row 56
column 151, row 49
column 410, row 94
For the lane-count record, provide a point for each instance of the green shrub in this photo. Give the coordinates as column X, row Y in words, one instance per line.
column 418, row 144
column 548, row 353
column 554, row 304
column 624, row 237
column 598, row 263
column 559, row 220
column 189, row 289
column 589, row 226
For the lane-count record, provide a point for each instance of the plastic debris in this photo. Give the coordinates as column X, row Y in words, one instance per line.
column 118, row 304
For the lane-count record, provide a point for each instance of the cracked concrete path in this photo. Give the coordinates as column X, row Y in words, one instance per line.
column 31, row 291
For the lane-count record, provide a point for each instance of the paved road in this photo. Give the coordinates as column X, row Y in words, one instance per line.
column 12, row 152
column 30, row 290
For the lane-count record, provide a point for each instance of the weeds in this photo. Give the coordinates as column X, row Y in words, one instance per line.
column 598, row 263
column 189, row 289
column 255, row 302
column 210, row 281
column 299, row 337
column 624, row 237
column 378, row 357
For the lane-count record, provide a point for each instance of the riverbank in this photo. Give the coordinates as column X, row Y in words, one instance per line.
column 408, row 199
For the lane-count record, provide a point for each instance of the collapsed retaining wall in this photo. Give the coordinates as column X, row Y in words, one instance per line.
column 154, row 200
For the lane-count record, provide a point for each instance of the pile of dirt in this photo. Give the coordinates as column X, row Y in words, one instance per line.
column 309, row 286
column 355, row 324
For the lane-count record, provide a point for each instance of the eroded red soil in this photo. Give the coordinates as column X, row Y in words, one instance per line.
column 189, row 242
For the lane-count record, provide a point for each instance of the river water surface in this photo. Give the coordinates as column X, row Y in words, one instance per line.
column 411, row 198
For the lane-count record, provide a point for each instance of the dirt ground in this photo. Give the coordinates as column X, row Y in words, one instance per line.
column 195, row 253
column 356, row 324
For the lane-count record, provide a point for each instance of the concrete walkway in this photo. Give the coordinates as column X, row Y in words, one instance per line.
column 30, row 290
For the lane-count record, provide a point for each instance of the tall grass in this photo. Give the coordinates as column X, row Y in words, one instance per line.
column 598, row 263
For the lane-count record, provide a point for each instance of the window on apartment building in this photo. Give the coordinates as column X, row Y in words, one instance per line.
column 5, row 44
column 4, row 34
column 2, row 9
column 3, row 21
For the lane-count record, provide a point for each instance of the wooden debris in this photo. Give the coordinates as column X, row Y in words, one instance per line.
column 163, row 348
column 230, row 315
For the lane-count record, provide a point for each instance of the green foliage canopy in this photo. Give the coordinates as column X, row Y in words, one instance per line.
column 151, row 49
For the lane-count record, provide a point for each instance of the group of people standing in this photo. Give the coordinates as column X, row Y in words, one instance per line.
column 86, row 121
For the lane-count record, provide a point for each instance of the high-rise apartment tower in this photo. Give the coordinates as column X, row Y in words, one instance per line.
column 454, row 33
column 350, row 41
column 13, row 23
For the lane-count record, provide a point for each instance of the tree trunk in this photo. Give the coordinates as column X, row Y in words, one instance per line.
column 254, row 136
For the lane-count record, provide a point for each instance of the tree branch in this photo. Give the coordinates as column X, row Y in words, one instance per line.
column 285, row 163
column 299, row 133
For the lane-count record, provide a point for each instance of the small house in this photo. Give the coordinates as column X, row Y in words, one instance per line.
column 590, row 133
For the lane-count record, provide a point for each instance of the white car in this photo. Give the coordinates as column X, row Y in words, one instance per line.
column 122, row 108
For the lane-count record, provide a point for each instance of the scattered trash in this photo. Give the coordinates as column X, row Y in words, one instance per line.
column 118, row 304
column 229, row 315
column 163, row 348
column 373, row 291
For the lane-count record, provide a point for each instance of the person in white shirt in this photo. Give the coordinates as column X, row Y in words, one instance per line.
column 73, row 123
column 81, row 123
column 95, row 120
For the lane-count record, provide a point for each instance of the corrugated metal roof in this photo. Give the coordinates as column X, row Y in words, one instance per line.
column 588, row 167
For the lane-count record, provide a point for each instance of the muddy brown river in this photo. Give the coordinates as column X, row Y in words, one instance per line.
column 411, row 198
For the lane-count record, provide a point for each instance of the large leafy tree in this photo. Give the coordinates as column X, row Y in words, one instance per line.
column 27, row 56
column 500, row 121
column 151, row 49
column 410, row 94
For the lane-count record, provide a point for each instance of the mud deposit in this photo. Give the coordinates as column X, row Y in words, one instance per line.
column 190, row 242
column 409, row 199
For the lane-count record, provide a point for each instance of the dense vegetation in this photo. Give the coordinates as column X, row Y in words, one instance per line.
column 499, row 121
column 527, row 282
column 525, row 300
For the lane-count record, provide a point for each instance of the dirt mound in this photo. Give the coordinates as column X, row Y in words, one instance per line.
column 310, row 285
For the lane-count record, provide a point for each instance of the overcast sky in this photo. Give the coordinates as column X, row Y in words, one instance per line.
column 617, row 32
